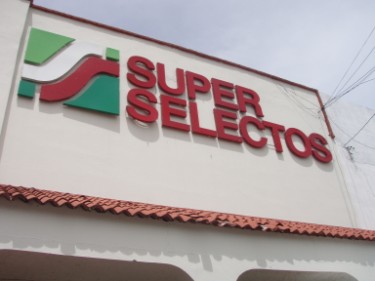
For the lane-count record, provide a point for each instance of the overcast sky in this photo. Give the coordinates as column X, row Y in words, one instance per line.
column 308, row 42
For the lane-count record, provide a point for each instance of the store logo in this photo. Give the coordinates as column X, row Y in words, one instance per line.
column 85, row 75
column 81, row 74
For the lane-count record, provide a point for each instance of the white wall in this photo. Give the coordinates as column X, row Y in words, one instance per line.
column 357, row 156
column 13, row 15
column 65, row 149
column 203, row 252
column 54, row 147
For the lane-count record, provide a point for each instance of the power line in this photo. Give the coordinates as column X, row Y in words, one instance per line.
column 363, row 61
column 290, row 96
column 357, row 141
column 351, row 64
column 356, row 134
column 356, row 84
column 305, row 99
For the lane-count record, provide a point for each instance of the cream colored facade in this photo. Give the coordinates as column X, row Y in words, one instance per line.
column 58, row 148
column 164, row 166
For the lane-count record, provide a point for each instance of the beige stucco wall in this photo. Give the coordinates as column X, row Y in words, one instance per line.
column 65, row 149
column 13, row 16
column 203, row 252
column 55, row 147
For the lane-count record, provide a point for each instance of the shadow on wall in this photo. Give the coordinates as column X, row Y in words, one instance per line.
column 278, row 275
column 97, row 119
column 20, row 265
column 152, row 132
column 77, row 232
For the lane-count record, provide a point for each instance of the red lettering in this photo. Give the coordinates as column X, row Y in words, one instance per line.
column 140, row 107
column 221, row 125
column 195, row 127
column 276, row 129
column 245, row 134
column 228, row 97
column 162, row 82
column 251, row 99
column 320, row 152
column 203, row 85
column 143, row 67
column 167, row 111
column 222, row 89
column 289, row 142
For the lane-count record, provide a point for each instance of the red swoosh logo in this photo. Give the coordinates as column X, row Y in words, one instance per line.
column 74, row 83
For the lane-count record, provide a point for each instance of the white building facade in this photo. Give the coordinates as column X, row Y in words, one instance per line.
column 141, row 159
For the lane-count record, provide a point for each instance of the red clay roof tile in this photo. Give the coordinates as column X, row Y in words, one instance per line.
column 166, row 213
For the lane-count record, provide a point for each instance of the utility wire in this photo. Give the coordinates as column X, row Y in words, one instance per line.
column 356, row 84
column 290, row 96
column 344, row 132
column 351, row 64
column 301, row 97
column 356, row 134
column 359, row 66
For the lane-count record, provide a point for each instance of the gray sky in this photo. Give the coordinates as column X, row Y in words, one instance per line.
column 308, row 42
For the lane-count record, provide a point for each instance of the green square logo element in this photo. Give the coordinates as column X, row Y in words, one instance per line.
column 26, row 89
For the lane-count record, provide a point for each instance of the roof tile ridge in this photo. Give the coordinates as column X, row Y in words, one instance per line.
column 168, row 213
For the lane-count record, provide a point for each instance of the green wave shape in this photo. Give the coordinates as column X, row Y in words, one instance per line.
column 102, row 95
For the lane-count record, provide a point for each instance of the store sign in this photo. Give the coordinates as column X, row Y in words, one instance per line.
column 76, row 72
column 71, row 70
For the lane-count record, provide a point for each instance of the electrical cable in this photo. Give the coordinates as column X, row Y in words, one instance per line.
column 351, row 64
column 303, row 107
column 368, row 55
column 356, row 84
column 360, row 130
column 301, row 97
column 357, row 141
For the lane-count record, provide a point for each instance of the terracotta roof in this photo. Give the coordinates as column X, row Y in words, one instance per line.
column 173, row 214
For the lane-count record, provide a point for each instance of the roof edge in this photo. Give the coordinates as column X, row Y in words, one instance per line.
column 175, row 214
column 325, row 115
column 190, row 51
column 163, row 43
